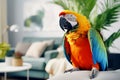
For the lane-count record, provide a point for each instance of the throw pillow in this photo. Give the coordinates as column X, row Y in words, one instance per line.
column 60, row 52
column 22, row 47
column 50, row 44
column 36, row 49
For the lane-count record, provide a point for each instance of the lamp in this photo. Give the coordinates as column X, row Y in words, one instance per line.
column 4, row 47
column 14, row 28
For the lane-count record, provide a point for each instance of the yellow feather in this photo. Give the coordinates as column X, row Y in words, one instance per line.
column 84, row 26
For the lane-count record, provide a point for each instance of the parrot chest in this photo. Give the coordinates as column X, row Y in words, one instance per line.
column 81, row 55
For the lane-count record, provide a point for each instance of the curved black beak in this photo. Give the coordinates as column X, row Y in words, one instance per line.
column 64, row 24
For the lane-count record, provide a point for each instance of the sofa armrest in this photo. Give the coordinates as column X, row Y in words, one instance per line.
column 37, row 63
column 50, row 54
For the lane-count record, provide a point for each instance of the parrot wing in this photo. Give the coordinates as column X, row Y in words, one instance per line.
column 98, row 49
column 67, row 51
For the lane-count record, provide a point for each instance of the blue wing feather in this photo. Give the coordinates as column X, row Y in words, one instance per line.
column 65, row 51
column 98, row 49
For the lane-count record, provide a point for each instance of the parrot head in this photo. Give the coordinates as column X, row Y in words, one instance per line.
column 72, row 21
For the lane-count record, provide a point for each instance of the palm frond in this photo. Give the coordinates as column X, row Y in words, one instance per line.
column 108, row 16
column 68, row 5
column 79, row 6
column 87, row 7
column 112, row 38
column 62, row 3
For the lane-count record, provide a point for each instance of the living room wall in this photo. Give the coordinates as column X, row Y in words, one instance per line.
column 15, row 15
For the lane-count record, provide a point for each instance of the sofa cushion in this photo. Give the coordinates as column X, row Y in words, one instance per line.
column 36, row 49
column 60, row 52
column 22, row 47
column 50, row 44
column 37, row 63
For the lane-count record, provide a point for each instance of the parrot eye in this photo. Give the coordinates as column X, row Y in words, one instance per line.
column 70, row 17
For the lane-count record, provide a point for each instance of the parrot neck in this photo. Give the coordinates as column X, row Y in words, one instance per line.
column 81, row 30
column 71, row 36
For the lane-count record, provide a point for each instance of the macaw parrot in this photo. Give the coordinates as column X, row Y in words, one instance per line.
column 83, row 45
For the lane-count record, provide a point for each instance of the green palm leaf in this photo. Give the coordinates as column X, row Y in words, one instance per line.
column 80, row 6
column 113, row 37
column 108, row 16
column 69, row 5
column 4, row 47
column 87, row 6
column 62, row 3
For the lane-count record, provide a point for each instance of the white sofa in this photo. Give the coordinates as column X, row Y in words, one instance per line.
column 57, row 71
column 84, row 75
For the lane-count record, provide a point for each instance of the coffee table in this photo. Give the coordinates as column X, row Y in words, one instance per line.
column 5, row 68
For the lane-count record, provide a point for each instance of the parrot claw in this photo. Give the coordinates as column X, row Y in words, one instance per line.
column 93, row 73
column 72, row 70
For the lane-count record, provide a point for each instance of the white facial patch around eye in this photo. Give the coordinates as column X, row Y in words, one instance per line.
column 71, row 18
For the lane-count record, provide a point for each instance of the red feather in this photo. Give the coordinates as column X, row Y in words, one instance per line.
column 80, row 53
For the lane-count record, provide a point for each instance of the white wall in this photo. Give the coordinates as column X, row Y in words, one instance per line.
column 16, row 16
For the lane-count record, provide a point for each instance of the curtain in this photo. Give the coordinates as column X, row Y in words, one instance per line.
column 3, row 21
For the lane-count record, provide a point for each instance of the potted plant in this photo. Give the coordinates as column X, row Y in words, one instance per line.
column 17, row 59
column 4, row 47
column 8, row 58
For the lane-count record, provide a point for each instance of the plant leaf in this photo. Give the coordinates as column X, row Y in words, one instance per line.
column 108, row 16
column 87, row 7
column 79, row 6
column 112, row 38
column 61, row 3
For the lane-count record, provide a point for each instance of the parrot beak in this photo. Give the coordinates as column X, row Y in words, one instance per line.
column 64, row 24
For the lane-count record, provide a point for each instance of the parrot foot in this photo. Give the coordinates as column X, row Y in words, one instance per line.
column 72, row 70
column 94, row 73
